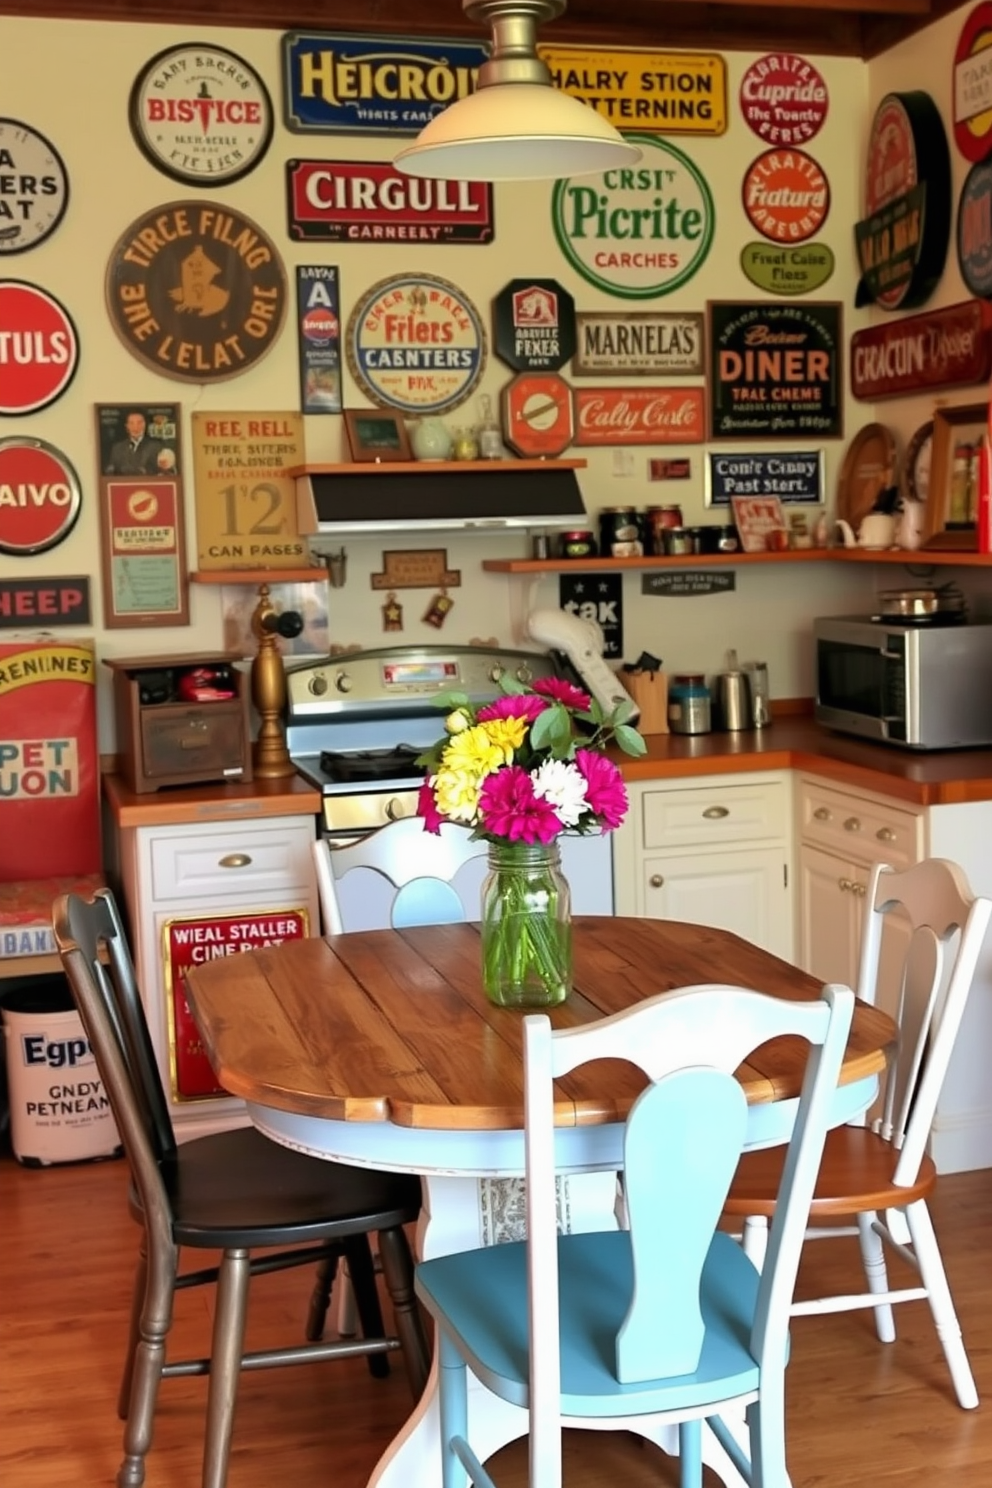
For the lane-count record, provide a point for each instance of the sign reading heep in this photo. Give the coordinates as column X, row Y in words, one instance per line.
column 639, row 343
column 416, row 342
column 775, row 370
column 637, row 232
column 951, row 347
column 787, row 271
column 369, row 202
column 662, row 92
column 372, row 84
column 27, row 603
column 618, row 416
column 794, row 476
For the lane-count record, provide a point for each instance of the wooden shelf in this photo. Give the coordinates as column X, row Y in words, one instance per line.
column 312, row 575
column 434, row 467
column 915, row 558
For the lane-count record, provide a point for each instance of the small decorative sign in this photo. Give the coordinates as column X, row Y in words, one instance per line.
column 795, row 477
column 973, row 85
column 658, row 92
column 598, row 597
column 416, row 568
column 44, row 602
column 534, row 325
column 783, row 99
column 760, row 522
column 375, row 436
column 416, row 342
column 684, row 583
column 537, row 414
column 951, row 347
column 639, row 343
column 334, row 201
column 638, row 415
column 775, row 370
column 319, row 332
column 349, row 84
column 34, row 187
column 40, row 497
column 662, row 470
column 246, row 513
column 786, row 196
column 974, row 234
column 787, row 271
column 139, row 439
column 39, row 348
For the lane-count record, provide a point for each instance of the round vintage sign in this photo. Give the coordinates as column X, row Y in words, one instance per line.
column 39, row 348
column 638, row 232
column 201, row 114
column 196, row 291
column 416, row 342
column 34, row 187
column 972, row 85
column 783, row 270
column 783, row 99
column 908, row 229
column 974, row 233
column 786, row 196
column 39, row 496
column 534, row 325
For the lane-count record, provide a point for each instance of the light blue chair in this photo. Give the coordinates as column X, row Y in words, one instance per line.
column 660, row 1324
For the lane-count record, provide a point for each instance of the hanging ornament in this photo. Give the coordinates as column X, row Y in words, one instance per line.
column 392, row 613
column 437, row 610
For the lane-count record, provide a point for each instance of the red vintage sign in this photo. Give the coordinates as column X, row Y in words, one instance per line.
column 638, row 415
column 194, row 942
column 39, row 496
column 941, row 348
column 973, row 85
column 335, row 201
column 39, row 348
column 786, row 196
column 783, row 99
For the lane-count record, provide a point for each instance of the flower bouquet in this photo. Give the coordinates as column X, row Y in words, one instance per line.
column 519, row 771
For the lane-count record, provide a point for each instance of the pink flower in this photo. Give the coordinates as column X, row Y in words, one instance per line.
column 561, row 691
column 427, row 808
column 605, row 790
column 523, row 705
column 508, row 808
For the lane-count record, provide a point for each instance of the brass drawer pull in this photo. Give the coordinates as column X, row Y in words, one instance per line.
column 852, row 824
column 235, row 860
column 885, row 834
column 822, row 813
column 844, row 884
column 716, row 813
column 656, row 881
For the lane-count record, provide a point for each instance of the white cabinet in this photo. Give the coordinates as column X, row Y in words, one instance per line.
column 713, row 853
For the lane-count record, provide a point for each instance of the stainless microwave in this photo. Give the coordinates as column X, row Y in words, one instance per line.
column 920, row 686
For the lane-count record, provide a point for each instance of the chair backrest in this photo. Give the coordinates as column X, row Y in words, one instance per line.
column 418, row 865
column 942, row 925
column 682, row 1142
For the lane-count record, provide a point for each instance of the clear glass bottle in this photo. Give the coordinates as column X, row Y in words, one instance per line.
column 487, row 431
column 526, row 926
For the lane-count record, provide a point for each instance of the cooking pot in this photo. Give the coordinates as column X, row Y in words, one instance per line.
column 920, row 604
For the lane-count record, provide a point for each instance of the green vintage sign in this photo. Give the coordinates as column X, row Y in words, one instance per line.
column 787, row 271
column 640, row 231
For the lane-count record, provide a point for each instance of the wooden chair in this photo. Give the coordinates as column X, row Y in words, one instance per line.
column 660, row 1321
column 234, row 1192
column 879, row 1174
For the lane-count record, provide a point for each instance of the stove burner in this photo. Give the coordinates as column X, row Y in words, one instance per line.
column 399, row 763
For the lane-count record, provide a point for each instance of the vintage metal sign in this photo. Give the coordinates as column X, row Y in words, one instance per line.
column 973, row 85
column 599, row 597
column 44, row 602
column 40, row 496
column 416, row 342
column 337, row 84
column 201, row 114
column 144, row 557
column 639, row 343
column 794, row 476
column 638, row 415
column 951, row 347
column 39, row 348
column 246, row 511
column 656, row 92
column 666, row 470
column 974, row 234
column 787, row 271
column 637, row 233
column 196, row 291
column 775, row 370
column 335, row 201
column 34, row 187
column 786, row 196
column 683, row 583
column 319, row 332
column 783, row 99
column 534, row 325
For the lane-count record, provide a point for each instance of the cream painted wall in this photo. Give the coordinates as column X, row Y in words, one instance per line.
column 72, row 79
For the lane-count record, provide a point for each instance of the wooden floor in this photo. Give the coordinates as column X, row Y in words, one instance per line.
column 860, row 1413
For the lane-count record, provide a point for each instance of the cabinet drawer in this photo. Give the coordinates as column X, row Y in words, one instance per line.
column 858, row 827
column 713, row 814
column 229, row 861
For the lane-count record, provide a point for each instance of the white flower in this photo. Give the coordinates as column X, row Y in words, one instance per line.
column 564, row 786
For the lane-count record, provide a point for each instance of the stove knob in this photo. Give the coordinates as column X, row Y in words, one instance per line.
column 495, row 672
column 524, row 674
column 344, row 682
column 318, row 684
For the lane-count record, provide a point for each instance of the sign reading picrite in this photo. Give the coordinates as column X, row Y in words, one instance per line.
column 649, row 343
column 951, row 347
column 416, row 342
column 44, row 602
column 369, row 202
column 372, row 84
column 787, row 271
column 786, row 196
column 40, row 496
column 639, row 415
column 34, row 187
column 201, row 114
column 637, row 233
column 973, row 85
column 196, row 291
column 974, row 234
column 534, row 325
column 39, row 348
column 783, row 99
column 794, row 476
column 658, row 92
column 319, row 333
column 775, row 370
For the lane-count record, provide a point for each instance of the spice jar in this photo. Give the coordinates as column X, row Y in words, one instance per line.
column 620, row 532
column 658, row 518
column 577, row 545
column 689, row 704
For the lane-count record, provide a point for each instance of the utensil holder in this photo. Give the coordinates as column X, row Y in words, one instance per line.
column 650, row 692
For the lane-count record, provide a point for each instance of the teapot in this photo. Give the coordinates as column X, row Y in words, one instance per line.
column 877, row 530
column 910, row 525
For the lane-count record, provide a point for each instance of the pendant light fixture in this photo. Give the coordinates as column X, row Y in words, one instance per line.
column 516, row 126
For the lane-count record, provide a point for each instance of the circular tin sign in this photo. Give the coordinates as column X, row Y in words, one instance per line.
column 907, row 149
column 201, row 114
column 537, row 414
column 39, row 348
column 972, row 85
column 786, row 196
column 196, row 291
column 34, row 187
column 974, row 234
column 534, row 325
column 39, row 496
column 416, row 342
column 787, row 271
column 783, row 99
column 638, row 232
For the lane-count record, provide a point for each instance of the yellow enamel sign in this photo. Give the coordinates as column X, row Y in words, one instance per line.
column 653, row 92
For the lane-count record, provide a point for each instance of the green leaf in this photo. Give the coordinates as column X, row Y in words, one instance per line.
column 630, row 740
column 512, row 687
column 449, row 701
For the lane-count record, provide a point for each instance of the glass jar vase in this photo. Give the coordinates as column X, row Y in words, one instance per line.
column 526, row 926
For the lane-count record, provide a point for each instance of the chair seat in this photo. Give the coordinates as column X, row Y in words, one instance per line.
column 480, row 1298
column 855, row 1176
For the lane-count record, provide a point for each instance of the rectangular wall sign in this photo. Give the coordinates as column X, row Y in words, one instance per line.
column 638, row 415
column 685, row 582
column 794, row 476
column 599, row 597
column 638, row 344
column 951, row 347
column 335, row 201
column 318, row 320
column 44, row 603
column 655, row 92
column 775, row 370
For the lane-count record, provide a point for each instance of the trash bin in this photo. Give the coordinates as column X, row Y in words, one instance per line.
column 59, row 1109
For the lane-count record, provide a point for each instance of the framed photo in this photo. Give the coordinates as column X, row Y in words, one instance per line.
column 951, row 519
column 375, row 436
column 761, row 523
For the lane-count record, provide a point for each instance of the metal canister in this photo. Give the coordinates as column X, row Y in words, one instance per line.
column 689, row 704
column 658, row 518
column 579, row 544
column 620, row 532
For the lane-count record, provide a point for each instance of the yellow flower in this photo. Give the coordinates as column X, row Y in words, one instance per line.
column 507, row 734
column 456, row 794
column 476, row 752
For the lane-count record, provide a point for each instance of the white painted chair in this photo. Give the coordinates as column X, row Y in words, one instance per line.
column 879, row 1174
column 659, row 1324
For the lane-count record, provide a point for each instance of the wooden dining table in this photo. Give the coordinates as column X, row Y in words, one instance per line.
column 380, row 1049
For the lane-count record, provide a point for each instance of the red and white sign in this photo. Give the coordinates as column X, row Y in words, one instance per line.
column 335, row 201
column 951, row 347
column 786, row 196
column 973, row 85
column 39, row 348
column 638, row 415
column 39, row 496
column 783, row 99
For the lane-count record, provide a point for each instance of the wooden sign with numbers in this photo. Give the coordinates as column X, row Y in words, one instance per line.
column 246, row 503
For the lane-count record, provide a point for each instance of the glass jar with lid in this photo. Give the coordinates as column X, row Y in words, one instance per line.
column 620, row 532
column 689, row 709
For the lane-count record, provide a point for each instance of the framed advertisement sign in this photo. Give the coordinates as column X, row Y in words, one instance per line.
column 794, row 476
column 775, row 370
column 246, row 511
column 319, row 338
column 639, row 415
column 639, row 343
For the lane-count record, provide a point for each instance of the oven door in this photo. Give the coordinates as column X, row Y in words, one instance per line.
column 861, row 682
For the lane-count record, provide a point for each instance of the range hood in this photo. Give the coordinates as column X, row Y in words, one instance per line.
column 480, row 496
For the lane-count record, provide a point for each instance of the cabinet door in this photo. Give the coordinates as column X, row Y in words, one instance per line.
column 830, row 916
column 745, row 892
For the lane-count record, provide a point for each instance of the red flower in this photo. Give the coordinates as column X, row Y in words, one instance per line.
column 427, row 808
column 605, row 790
column 520, row 705
column 508, row 808
column 561, row 691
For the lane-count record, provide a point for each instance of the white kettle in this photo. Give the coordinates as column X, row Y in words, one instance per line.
column 910, row 524
column 877, row 530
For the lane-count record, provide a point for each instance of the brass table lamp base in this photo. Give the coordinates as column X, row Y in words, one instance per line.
column 270, row 757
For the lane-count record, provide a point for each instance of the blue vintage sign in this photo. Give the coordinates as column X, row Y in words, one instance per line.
column 372, row 84
column 795, row 477
column 319, row 338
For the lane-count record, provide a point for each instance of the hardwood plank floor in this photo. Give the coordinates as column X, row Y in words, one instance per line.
column 859, row 1412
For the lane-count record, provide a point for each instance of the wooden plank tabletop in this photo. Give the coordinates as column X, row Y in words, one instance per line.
column 388, row 1025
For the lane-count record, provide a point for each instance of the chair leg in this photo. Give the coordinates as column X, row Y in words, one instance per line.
column 134, row 1328
column 941, row 1303
column 145, row 1367
column 320, row 1298
column 690, row 1454
column 397, row 1272
column 876, row 1275
column 766, row 1425
column 453, row 1402
column 755, row 1239
column 225, row 1364
column 347, row 1324
column 361, row 1269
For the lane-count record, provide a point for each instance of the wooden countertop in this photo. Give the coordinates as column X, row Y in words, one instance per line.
column 174, row 805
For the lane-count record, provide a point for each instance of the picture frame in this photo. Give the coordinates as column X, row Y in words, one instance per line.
column 376, row 436
column 757, row 518
column 951, row 517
